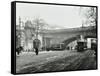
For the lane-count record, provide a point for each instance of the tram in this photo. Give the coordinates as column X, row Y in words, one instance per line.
column 81, row 46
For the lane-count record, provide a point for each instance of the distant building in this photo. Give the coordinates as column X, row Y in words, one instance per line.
column 20, row 36
column 90, row 41
column 72, row 45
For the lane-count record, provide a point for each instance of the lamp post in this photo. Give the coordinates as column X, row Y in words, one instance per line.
column 20, row 30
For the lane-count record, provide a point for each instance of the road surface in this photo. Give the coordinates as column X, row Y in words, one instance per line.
column 55, row 61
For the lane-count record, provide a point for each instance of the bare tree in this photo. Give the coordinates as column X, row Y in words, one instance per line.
column 39, row 25
column 90, row 15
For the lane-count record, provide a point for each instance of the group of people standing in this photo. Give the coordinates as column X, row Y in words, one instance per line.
column 36, row 45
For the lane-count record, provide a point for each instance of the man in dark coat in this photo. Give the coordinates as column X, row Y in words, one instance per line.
column 36, row 45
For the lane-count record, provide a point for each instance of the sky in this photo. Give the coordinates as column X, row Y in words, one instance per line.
column 56, row 16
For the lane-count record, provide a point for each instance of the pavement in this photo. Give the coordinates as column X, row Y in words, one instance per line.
column 28, row 62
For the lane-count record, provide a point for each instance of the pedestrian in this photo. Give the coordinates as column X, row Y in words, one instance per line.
column 36, row 45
